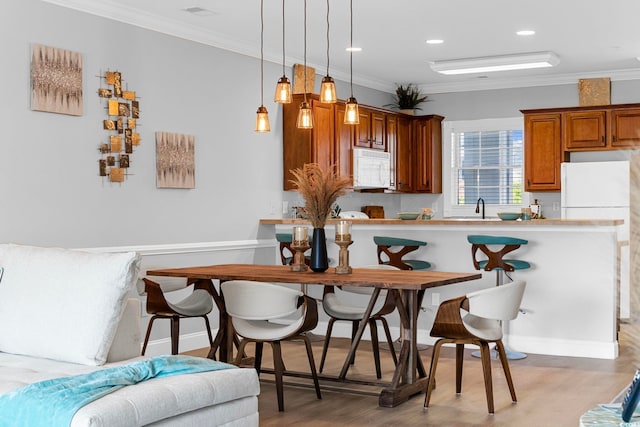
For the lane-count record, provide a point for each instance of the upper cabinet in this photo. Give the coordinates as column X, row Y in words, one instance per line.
column 414, row 143
column 551, row 134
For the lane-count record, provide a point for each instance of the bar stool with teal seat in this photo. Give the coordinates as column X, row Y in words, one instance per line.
column 497, row 262
column 395, row 257
column 286, row 253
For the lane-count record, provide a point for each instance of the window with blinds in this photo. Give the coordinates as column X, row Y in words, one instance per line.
column 486, row 160
column 488, row 165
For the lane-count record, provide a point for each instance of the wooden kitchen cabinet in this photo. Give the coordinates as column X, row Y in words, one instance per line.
column 301, row 146
column 370, row 132
column 543, row 151
column 585, row 130
column 403, row 155
column 427, row 158
column 625, row 128
column 344, row 142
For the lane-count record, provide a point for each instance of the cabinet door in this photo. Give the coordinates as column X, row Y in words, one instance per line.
column 542, row 152
column 363, row 129
column 344, row 143
column 391, row 143
column 585, row 130
column 403, row 155
column 378, row 137
column 323, row 134
column 422, row 164
column 625, row 128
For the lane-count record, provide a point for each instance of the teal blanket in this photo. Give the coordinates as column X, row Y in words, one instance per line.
column 53, row 403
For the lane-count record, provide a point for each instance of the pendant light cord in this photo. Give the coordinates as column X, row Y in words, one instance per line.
column 351, row 49
column 327, row 37
column 283, row 56
column 262, row 52
column 305, row 51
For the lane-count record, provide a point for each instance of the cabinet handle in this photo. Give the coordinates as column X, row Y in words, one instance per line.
column 614, row 139
column 602, row 138
column 528, row 182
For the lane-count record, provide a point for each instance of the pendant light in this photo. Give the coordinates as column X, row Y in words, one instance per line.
column 262, row 115
column 351, row 115
column 283, row 88
column 305, row 118
column 328, row 86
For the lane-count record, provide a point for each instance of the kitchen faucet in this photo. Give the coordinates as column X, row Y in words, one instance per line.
column 478, row 206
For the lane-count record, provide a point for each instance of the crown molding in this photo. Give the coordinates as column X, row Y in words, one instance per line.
column 133, row 16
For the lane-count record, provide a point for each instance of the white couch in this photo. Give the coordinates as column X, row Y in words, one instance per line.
column 65, row 312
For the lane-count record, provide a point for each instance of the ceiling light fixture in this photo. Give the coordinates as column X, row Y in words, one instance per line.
column 328, row 86
column 351, row 115
column 496, row 63
column 262, row 115
column 283, row 88
column 435, row 41
column 525, row 32
column 305, row 118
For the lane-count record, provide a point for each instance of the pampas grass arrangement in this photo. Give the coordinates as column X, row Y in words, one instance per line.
column 320, row 189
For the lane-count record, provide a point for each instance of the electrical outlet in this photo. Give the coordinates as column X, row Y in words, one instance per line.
column 285, row 207
column 555, row 206
column 435, row 298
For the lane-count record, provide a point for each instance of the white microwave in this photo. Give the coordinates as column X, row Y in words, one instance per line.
column 371, row 168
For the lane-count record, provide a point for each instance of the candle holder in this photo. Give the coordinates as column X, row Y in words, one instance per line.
column 343, row 257
column 298, row 263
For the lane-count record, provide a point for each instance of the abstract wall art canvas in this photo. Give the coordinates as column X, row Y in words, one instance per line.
column 175, row 160
column 56, row 80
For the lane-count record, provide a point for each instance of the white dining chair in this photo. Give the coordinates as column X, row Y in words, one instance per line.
column 254, row 308
column 476, row 318
column 335, row 304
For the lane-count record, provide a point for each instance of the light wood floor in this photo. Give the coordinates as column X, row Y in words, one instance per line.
column 551, row 391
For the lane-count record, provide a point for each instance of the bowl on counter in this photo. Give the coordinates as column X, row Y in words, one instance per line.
column 509, row 216
column 408, row 215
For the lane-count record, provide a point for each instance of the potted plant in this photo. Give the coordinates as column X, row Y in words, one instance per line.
column 407, row 98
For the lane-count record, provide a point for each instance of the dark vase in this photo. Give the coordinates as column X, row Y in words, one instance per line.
column 319, row 261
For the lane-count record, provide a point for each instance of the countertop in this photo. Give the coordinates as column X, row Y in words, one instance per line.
column 459, row 221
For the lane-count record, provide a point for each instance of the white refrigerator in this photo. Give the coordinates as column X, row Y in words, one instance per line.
column 601, row 190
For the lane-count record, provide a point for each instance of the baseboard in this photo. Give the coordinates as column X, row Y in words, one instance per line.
column 187, row 342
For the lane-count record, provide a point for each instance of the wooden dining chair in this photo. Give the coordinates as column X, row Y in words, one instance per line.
column 475, row 319
column 253, row 307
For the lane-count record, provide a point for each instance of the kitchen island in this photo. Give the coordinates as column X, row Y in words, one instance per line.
column 572, row 286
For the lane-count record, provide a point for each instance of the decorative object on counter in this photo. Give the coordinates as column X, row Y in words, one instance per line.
column 407, row 99
column 299, row 245
column 175, row 160
column 426, row 213
column 123, row 111
column 509, row 216
column 56, row 80
column 408, row 215
column 343, row 239
column 320, row 188
column 373, row 211
column 526, row 214
column 536, row 210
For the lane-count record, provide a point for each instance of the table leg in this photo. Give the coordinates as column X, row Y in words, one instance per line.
column 356, row 340
column 405, row 382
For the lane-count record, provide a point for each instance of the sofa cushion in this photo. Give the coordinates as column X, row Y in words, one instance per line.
column 62, row 304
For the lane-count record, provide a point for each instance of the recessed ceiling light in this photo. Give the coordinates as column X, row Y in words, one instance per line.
column 525, row 32
column 435, row 41
column 354, row 49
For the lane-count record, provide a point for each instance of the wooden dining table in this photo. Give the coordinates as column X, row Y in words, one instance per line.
column 407, row 287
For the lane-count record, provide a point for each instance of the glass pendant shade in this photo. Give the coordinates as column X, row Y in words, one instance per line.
column 305, row 118
column 351, row 116
column 328, row 91
column 262, row 120
column 283, row 91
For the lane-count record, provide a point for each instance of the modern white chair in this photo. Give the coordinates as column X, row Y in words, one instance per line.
column 337, row 308
column 475, row 319
column 198, row 304
column 253, row 306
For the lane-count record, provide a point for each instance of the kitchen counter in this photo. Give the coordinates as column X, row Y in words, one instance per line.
column 571, row 300
column 459, row 221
